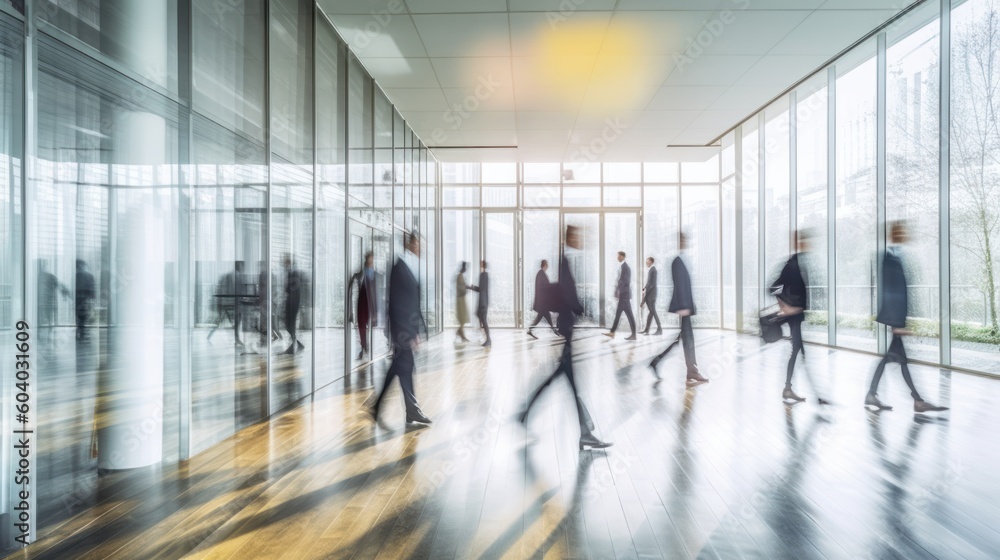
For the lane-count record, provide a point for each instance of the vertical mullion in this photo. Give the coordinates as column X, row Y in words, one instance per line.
column 185, row 239
column 315, row 193
column 944, row 212
column 269, row 305
column 738, row 230
column 831, row 204
column 761, row 213
column 880, row 164
column 793, row 189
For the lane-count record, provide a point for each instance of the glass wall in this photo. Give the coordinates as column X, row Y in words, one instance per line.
column 513, row 214
column 975, row 186
column 857, row 245
column 186, row 255
column 867, row 153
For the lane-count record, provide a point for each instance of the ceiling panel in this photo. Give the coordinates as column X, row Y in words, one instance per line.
column 402, row 72
column 417, row 99
column 470, row 100
column 472, row 72
column 691, row 98
column 548, row 75
column 711, row 70
column 539, row 35
column 559, row 8
column 827, row 33
column 747, row 32
column 391, row 37
column 452, row 6
column 464, row 34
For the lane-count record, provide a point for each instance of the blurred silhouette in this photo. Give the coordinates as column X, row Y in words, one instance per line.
column 367, row 307
column 293, row 300
column 793, row 301
column 567, row 305
column 461, row 307
column 649, row 297
column 892, row 312
column 682, row 303
column 623, row 293
column 227, row 301
column 267, row 302
column 86, row 291
column 484, row 301
column 542, row 306
column 405, row 323
column 49, row 289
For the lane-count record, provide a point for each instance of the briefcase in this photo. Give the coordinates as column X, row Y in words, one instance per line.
column 770, row 324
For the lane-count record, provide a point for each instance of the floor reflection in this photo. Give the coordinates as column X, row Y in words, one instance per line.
column 722, row 470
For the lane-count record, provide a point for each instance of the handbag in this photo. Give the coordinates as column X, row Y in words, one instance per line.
column 771, row 320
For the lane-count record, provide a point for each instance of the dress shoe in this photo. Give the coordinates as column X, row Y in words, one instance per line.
column 632, row 338
column 924, row 406
column 790, row 395
column 695, row 377
column 610, row 334
column 417, row 417
column 592, row 442
column 824, row 402
column 652, row 366
column 644, row 333
column 658, row 332
column 300, row 345
column 871, row 401
column 487, row 344
column 532, row 335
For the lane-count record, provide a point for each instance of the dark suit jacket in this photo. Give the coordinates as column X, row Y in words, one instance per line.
column 792, row 284
column 405, row 317
column 366, row 292
column 682, row 298
column 293, row 289
column 566, row 303
column 650, row 287
column 624, row 288
column 893, row 304
column 542, row 287
column 484, row 290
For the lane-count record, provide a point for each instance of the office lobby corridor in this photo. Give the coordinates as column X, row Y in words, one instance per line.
column 723, row 470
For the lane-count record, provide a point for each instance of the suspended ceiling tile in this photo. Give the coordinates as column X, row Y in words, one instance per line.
column 464, row 34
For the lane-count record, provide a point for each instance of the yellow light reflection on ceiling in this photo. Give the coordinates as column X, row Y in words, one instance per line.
column 610, row 63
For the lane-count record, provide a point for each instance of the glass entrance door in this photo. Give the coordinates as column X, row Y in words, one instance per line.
column 499, row 251
column 621, row 233
column 364, row 240
column 585, row 264
column 595, row 266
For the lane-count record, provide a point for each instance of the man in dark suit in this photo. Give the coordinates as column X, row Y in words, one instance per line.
column 541, row 305
column 649, row 297
column 484, row 301
column 568, row 306
column 293, row 300
column 85, row 294
column 682, row 303
column 405, row 322
column 623, row 293
column 892, row 312
column 367, row 307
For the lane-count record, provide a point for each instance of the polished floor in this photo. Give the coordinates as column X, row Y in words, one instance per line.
column 724, row 470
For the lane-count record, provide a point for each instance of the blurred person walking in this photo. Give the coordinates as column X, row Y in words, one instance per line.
column 541, row 305
column 682, row 303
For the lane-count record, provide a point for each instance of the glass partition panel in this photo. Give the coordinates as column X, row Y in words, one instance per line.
column 700, row 220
